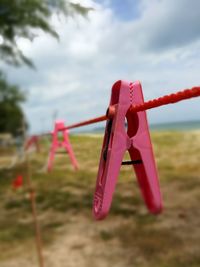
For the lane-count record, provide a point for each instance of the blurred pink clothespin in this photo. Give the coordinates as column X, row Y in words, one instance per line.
column 126, row 130
column 65, row 143
column 33, row 140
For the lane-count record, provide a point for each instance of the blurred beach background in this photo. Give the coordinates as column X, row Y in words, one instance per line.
column 129, row 236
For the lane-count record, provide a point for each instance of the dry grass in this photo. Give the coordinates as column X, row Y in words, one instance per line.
column 129, row 236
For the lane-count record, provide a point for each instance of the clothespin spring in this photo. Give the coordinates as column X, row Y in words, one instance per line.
column 132, row 162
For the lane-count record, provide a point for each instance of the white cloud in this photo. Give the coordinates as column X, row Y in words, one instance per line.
column 169, row 24
column 74, row 75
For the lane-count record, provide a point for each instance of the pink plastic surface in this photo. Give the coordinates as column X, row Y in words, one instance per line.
column 33, row 141
column 118, row 139
column 56, row 144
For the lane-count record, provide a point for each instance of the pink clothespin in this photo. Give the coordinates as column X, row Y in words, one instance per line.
column 33, row 140
column 65, row 143
column 136, row 139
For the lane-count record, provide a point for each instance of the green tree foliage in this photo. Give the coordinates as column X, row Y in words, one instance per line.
column 19, row 18
column 11, row 114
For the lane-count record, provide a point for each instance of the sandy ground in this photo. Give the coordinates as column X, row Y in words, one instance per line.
column 77, row 244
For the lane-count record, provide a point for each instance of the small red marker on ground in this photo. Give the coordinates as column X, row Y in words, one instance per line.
column 18, row 182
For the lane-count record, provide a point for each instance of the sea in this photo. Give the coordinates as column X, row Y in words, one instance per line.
column 176, row 126
column 179, row 126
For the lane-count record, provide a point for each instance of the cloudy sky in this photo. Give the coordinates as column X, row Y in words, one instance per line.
column 156, row 42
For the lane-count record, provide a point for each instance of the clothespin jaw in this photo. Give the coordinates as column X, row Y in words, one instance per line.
column 117, row 140
column 56, row 143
